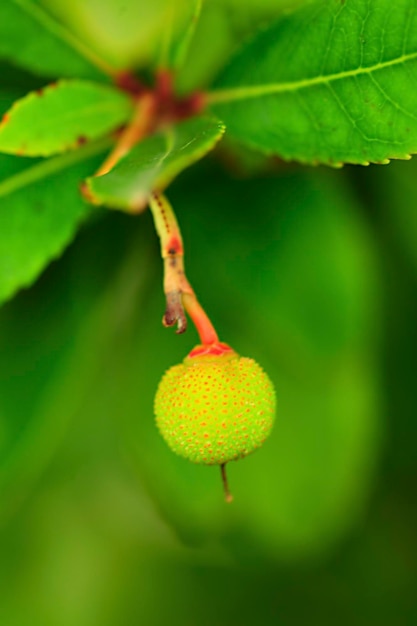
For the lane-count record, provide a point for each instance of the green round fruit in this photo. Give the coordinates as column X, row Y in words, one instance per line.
column 216, row 406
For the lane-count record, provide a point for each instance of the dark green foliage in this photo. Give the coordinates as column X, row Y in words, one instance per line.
column 310, row 271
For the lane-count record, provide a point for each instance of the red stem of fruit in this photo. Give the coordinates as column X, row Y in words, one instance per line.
column 212, row 349
column 201, row 321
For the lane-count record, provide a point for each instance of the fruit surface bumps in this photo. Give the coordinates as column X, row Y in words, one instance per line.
column 215, row 408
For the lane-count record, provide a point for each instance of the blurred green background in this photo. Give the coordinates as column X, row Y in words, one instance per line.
column 312, row 272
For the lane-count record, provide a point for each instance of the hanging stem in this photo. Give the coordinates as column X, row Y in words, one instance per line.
column 179, row 294
column 200, row 319
column 227, row 495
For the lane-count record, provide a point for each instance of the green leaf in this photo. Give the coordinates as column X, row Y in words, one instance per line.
column 38, row 221
column 333, row 83
column 62, row 117
column 30, row 37
column 154, row 163
column 231, row 21
column 179, row 34
column 126, row 33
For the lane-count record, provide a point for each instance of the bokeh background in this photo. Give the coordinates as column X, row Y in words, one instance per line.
column 312, row 272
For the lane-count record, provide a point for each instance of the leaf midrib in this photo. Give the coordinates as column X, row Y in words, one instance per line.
column 256, row 91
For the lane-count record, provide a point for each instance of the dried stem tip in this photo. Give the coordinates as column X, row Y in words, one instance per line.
column 174, row 313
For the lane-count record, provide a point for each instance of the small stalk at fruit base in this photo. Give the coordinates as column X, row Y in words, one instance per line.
column 227, row 495
column 179, row 294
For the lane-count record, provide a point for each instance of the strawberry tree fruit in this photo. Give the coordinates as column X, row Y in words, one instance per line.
column 215, row 406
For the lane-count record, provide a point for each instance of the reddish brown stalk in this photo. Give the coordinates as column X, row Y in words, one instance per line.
column 205, row 328
column 170, row 107
column 126, row 81
column 179, row 294
column 140, row 125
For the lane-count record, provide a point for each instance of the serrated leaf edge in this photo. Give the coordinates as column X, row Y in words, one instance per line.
column 33, row 95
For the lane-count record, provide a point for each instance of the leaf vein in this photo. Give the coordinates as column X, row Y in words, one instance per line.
column 391, row 100
column 256, row 91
